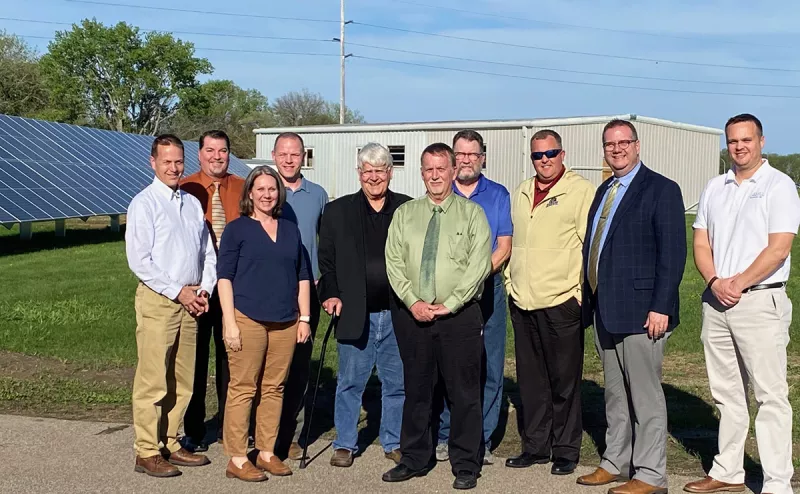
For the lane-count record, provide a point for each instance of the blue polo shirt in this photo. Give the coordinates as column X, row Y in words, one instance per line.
column 496, row 203
column 304, row 208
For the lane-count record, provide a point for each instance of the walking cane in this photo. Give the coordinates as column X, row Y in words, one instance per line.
column 320, row 365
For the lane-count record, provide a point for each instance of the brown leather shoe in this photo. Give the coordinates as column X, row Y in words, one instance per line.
column 342, row 458
column 248, row 472
column 710, row 485
column 184, row 458
column 274, row 466
column 295, row 452
column 395, row 456
column 155, row 466
column 636, row 486
column 600, row 476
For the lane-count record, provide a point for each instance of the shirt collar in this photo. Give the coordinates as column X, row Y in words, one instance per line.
column 481, row 187
column 166, row 191
column 368, row 206
column 445, row 205
column 302, row 186
column 730, row 176
column 207, row 181
column 627, row 179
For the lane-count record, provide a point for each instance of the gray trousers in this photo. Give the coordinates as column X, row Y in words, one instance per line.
column 636, row 411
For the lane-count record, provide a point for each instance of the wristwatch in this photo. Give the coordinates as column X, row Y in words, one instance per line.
column 305, row 319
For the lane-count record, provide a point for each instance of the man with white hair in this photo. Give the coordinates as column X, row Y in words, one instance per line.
column 353, row 284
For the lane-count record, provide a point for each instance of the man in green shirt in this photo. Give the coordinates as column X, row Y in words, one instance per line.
column 438, row 255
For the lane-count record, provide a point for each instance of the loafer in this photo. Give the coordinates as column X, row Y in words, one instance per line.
column 274, row 466
column 248, row 472
column 562, row 466
column 465, row 480
column 526, row 460
column 155, row 466
column 636, row 486
column 600, row 476
column 342, row 458
column 295, row 452
column 184, row 458
column 401, row 473
column 709, row 484
column 394, row 455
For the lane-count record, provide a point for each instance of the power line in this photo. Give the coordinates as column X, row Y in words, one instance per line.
column 231, row 14
column 580, row 26
column 605, row 74
column 561, row 81
column 571, row 52
column 192, row 33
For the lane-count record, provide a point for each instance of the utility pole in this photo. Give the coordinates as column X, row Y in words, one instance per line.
column 342, row 23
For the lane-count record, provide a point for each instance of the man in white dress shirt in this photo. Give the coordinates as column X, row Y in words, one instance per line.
column 171, row 252
column 746, row 222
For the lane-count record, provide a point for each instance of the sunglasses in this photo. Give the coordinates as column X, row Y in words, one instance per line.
column 550, row 153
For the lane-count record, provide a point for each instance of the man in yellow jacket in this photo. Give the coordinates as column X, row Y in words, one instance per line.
column 549, row 213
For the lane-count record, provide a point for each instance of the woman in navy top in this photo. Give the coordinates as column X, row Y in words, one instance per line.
column 264, row 290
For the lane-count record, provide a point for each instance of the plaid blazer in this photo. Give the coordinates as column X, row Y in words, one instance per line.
column 641, row 265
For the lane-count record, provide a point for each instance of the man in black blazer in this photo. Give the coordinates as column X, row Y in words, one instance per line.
column 634, row 259
column 353, row 283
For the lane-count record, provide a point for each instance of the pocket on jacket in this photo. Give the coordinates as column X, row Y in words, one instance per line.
column 643, row 283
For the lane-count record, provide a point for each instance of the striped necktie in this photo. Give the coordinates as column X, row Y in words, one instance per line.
column 594, row 253
column 217, row 214
column 427, row 271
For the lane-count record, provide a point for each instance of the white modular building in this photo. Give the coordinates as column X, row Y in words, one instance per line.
column 688, row 154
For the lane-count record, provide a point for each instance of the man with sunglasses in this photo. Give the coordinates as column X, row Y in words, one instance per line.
column 494, row 199
column 550, row 213
column 634, row 257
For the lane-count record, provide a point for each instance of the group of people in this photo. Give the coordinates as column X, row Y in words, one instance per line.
column 421, row 289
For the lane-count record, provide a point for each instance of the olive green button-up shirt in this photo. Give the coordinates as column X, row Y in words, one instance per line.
column 463, row 257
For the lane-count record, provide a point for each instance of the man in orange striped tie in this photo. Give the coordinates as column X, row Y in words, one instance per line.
column 219, row 193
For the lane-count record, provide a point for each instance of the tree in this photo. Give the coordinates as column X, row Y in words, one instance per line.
column 307, row 108
column 221, row 104
column 114, row 78
column 22, row 90
column 788, row 164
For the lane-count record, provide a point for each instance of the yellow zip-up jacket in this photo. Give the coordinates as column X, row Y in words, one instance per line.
column 546, row 250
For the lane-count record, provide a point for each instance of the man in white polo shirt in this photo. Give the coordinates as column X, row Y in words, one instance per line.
column 746, row 222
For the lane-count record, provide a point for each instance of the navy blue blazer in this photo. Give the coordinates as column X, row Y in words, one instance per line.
column 643, row 258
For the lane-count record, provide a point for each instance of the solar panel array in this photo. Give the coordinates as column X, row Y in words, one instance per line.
column 56, row 171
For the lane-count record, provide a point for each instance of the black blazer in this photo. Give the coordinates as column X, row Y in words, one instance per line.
column 643, row 258
column 341, row 259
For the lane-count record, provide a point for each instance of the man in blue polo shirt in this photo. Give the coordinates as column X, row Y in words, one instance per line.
column 305, row 201
column 495, row 201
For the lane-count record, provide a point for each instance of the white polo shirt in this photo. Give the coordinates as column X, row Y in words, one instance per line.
column 740, row 217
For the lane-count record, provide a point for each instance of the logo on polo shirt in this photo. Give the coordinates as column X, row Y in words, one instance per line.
column 757, row 195
column 552, row 202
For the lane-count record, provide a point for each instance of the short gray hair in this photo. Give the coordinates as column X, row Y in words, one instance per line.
column 376, row 155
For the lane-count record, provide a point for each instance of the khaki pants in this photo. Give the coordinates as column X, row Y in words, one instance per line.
column 263, row 361
column 166, row 337
column 747, row 343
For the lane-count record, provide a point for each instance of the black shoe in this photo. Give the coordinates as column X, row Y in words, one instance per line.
column 465, row 480
column 194, row 446
column 401, row 473
column 527, row 459
column 562, row 466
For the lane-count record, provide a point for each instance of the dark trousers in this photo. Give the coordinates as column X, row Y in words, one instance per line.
column 549, row 351
column 295, row 390
column 208, row 325
column 449, row 349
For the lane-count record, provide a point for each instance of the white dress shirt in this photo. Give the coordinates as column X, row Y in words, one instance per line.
column 167, row 241
column 740, row 217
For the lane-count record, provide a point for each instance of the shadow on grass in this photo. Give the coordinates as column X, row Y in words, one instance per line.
column 47, row 240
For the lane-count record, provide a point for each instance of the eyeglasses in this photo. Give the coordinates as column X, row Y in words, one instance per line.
column 471, row 156
column 550, row 153
column 608, row 146
column 378, row 173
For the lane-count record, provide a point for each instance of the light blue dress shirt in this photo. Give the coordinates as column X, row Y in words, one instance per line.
column 624, row 185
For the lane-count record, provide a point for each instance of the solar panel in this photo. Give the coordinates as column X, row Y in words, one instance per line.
column 51, row 171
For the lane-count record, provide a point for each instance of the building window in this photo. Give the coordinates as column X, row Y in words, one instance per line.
column 484, row 156
column 309, row 163
column 398, row 155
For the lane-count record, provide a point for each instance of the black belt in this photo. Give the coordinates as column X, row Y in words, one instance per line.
column 753, row 288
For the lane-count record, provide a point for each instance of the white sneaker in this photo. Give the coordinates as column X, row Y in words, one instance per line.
column 488, row 458
column 442, row 452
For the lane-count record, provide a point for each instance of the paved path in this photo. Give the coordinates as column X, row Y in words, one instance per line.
column 48, row 455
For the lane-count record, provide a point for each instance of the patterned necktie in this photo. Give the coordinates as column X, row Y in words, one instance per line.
column 217, row 214
column 594, row 253
column 427, row 272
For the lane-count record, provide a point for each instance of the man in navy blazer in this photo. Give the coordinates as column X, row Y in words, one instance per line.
column 634, row 259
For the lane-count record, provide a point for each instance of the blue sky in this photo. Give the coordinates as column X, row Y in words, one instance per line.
column 759, row 35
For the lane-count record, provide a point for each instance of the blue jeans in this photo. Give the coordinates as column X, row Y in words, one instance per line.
column 376, row 348
column 493, row 305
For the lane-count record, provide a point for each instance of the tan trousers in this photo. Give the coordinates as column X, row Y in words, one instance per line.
column 747, row 344
column 264, row 360
column 166, row 338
